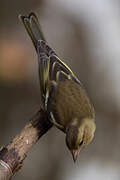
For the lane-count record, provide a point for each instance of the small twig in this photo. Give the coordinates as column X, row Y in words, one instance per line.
column 12, row 156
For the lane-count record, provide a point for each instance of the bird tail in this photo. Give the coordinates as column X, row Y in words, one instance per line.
column 51, row 67
column 33, row 28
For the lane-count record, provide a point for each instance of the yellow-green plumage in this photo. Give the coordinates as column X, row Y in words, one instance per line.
column 69, row 100
column 62, row 94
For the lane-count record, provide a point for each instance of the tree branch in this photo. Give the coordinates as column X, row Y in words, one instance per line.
column 12, row 156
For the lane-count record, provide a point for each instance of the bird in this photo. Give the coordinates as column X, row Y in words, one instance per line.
column 63, row 95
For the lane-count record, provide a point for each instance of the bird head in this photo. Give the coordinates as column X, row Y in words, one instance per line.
column 79, row 134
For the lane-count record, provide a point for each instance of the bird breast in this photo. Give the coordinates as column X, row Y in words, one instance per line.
column 68, row 101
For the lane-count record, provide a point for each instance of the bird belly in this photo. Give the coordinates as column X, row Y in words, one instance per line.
column 70, row 101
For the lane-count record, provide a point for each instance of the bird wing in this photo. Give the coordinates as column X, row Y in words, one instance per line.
column 60, row 71
column 51, row 67
column 44, row 62
column 57, row 67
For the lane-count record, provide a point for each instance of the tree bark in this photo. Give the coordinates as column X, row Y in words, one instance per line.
column 13, row 155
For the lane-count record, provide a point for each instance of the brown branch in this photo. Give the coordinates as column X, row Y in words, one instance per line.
column 12, row 156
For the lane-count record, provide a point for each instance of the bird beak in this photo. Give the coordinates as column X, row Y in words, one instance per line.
column 75, row 154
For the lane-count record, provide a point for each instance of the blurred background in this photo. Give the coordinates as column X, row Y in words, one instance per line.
column 86, row 34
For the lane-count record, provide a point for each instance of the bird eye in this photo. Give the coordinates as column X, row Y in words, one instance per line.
column 81, row 143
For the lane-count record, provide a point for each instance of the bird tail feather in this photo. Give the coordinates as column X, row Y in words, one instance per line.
column 33, row 28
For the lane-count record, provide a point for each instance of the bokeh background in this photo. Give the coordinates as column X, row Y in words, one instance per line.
column 86, row 34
